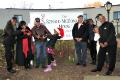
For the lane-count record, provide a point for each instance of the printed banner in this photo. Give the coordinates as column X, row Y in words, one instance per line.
column 57, row 19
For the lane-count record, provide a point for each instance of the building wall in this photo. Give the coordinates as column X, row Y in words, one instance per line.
column 6, row 14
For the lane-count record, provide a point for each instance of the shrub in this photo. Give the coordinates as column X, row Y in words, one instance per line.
column 1, row 33
column 118, row 35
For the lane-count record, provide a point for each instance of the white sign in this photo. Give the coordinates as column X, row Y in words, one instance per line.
column 53, row 20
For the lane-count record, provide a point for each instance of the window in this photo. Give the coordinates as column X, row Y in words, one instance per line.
column 116, row 15
column 85, row 16
column 19, row 18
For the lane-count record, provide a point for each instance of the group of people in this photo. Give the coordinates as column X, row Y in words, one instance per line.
column 25, row 47
column 83, row 32
column 86, row 35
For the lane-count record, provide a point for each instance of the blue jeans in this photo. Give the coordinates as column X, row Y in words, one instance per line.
column 81, row 51
column 40, row 53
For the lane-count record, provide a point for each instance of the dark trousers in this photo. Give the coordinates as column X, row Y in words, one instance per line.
column 93, row 50
column 50, row 58
column 111, row 56
column 9, row 50
column 28, row 59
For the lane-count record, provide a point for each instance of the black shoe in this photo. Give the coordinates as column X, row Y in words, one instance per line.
column 36, row 66
column 30, row 67
column 27, row 67
column 84, row 65
column 12, row 71
column 95, row 70
column 108, row 73
column 93, row 63
column 77, row 63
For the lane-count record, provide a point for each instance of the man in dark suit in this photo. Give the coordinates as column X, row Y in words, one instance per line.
column 108, row 44
column 79, row 33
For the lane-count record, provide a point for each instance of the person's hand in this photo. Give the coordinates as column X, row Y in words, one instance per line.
column 44, row 37
column 28, row 34
column 78, row 39
column 41, row 37
column 38, row 36
column 102, row 45
column 23, row 30
column 105, row 44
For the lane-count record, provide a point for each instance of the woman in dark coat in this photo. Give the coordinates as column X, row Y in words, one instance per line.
column 23, row 47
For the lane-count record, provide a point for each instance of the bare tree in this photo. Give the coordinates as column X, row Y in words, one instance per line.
column 95, row 4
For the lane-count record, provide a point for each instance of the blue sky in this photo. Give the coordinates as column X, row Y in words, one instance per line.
column 45, row 4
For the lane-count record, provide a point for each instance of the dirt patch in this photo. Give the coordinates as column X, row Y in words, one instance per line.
column 63, row 71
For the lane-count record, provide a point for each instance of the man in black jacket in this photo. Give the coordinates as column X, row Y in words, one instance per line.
column 108, row 44
column 79, row 33
column 9, row 41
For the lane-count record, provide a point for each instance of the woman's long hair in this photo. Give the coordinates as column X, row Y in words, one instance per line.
column 9, row 23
